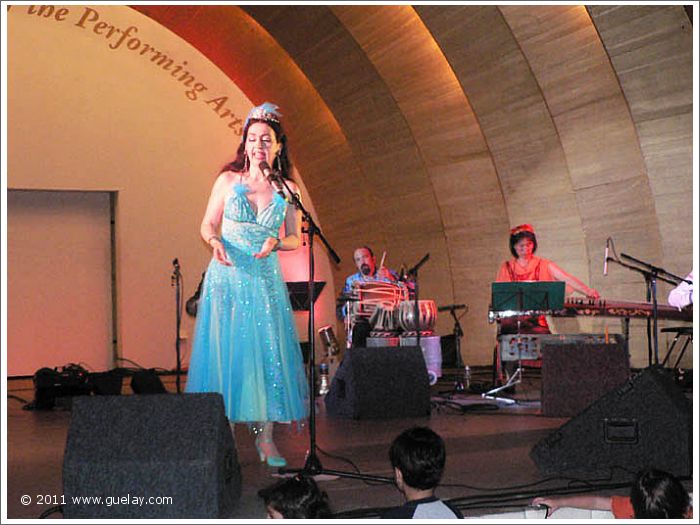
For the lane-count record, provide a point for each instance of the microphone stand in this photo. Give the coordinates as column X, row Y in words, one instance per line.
column 312, row 465
column 176, row 281
column 651, row 274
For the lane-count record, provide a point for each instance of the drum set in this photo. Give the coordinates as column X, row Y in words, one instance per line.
column 391, row 315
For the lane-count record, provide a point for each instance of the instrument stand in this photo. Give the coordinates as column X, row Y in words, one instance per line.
column 457, row 332
column 651, row 275
column 176, row 280
column 514, row 379
column 312, row 465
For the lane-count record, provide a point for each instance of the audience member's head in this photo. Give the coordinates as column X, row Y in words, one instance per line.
column 418, row 454
column 657, row 494
column 297, row 497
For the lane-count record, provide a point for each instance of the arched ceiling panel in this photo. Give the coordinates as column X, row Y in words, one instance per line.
column 650, row 48
column 450, row 143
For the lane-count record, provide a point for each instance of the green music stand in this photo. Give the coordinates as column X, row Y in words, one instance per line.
column 522, row 296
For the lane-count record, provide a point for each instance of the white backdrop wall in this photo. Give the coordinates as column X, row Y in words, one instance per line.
column 59, row 280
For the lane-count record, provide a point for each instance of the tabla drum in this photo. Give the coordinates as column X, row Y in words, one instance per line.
column 384, row 318
column 375, row 302
column 371, row 294
column 427, row 315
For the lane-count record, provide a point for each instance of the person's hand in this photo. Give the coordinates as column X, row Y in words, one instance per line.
column 593, row 294
column 220, row 252
column 270, row 244
column 546, row 502
column 384, row 273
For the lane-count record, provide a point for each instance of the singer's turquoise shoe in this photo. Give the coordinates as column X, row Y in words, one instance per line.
column 272, row 460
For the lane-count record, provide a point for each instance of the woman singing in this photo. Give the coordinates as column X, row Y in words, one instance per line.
column 245, row 344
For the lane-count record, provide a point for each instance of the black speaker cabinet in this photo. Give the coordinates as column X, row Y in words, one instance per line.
column 646, row 422
column 574, row 375
column 150, row 456
column 381, row 382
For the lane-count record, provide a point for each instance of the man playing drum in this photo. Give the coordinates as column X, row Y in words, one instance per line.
column 368, row 272
column 366, row 263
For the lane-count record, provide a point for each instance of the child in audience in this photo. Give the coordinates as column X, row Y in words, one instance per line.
column 654, row 495
column 297, row 497
column 418, row 458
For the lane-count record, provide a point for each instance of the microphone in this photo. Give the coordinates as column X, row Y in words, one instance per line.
column 273, row 178
column 605, row 262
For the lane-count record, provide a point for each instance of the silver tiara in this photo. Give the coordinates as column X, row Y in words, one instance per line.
column 265, row 111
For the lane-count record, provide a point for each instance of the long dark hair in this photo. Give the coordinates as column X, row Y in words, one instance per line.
column 281, row 162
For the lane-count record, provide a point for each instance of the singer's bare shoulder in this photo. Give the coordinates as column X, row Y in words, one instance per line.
column 222, row 184
column 225, row 178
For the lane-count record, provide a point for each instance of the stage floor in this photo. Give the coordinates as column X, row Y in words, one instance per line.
column 488, row 444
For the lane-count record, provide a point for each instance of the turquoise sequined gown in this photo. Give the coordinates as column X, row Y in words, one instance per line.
column 245, row 344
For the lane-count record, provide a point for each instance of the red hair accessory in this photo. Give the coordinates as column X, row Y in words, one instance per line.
column 522, row 228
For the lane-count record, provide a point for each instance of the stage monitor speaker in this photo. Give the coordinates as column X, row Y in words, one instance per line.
column 380, row 382
column 574, row 375
column 644, row 423
column 152, row 456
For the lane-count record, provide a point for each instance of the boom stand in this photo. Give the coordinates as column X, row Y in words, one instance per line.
column 312, row 465
column 651, row 275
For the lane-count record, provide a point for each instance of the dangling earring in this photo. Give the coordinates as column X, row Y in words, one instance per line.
column 246, row 163
column 278, row 160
